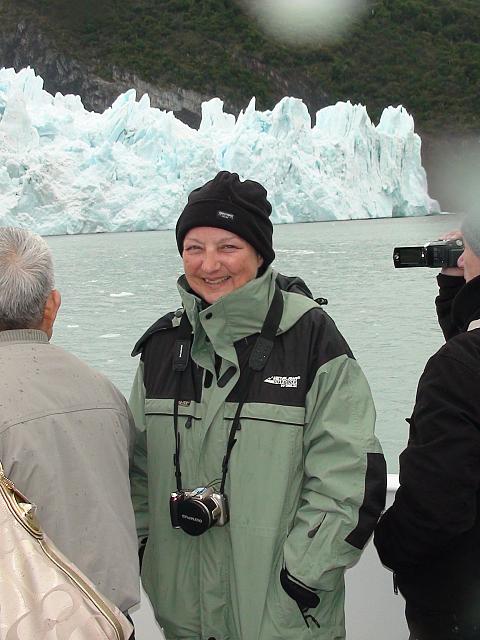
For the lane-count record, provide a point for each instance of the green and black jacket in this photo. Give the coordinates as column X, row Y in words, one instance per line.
column 306, row 480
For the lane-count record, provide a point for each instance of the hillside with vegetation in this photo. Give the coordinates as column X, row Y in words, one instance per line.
column 424, row 54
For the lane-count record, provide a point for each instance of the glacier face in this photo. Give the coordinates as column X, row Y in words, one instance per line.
column 67, row 170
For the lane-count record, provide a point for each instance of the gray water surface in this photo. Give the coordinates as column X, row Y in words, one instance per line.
column 115, row 285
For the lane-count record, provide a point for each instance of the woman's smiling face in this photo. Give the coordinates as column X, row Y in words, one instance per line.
column 216, row 262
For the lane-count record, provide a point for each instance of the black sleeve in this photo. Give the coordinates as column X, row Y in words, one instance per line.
column 439, row 469
column 448, row 286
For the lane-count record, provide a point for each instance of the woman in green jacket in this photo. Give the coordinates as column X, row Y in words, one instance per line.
column 257, row 474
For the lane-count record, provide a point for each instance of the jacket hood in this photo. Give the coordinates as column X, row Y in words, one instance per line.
column 244, row 309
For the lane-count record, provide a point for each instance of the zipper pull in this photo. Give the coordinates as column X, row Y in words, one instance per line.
column 188, row 423
column 395, row 585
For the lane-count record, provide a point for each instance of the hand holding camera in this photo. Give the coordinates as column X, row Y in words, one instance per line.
column 456, row 270
column 443, row 253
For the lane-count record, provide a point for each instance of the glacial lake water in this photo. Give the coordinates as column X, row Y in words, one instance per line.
column 115, row 285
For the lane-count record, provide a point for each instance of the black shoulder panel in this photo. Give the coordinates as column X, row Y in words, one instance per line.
column 159, row 377
column 160, row 325
column 297, row 355
column 294, row 284
column 326, row 341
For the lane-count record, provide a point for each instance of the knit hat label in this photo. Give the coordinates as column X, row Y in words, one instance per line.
column 225, row 215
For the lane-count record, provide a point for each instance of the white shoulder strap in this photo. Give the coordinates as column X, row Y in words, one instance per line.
column 475, row 324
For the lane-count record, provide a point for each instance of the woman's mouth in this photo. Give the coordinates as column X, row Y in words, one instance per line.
column 216, row 281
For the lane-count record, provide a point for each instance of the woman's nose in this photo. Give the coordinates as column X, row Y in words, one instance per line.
column 210, row 261
column 460, row 261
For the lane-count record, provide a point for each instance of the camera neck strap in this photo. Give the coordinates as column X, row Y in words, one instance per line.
column 181, row 357
column 258, row 358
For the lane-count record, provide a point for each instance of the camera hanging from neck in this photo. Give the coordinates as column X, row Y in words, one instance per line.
column 259, row 356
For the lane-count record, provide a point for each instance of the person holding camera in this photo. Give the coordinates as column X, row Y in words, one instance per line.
column 430, row 537
column 257, row 474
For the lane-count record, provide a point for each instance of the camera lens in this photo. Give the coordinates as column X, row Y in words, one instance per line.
column 196, row 516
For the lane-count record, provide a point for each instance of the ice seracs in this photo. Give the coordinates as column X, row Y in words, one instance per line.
column 67, row 170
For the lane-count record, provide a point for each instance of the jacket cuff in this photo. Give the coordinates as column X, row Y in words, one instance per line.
column 303, row 595
column 445, row 281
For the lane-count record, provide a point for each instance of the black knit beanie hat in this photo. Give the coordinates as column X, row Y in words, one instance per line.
column 227, row 203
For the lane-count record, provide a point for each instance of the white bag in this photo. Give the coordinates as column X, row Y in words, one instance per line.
column 43, row 596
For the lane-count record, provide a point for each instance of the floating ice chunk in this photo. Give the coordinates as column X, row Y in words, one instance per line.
column 111, row 335
column 122, row 294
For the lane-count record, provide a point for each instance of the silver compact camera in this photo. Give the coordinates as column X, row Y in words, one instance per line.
column 198, row 510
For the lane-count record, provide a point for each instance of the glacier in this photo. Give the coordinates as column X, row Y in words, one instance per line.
column 66, row 170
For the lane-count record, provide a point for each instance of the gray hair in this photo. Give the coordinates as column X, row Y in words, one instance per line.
column 26, row 278
column 471, row 231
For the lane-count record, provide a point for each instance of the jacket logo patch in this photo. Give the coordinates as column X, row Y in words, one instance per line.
column 225, row 215
column 184, row 403
column 284, row 381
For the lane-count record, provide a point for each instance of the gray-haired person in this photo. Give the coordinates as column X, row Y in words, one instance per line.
column 430, row 537
column 66, row 432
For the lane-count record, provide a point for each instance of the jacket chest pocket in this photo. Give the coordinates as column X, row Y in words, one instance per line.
column 268, row 422
column 159, row 418
column 160, row 411
column 267, row 460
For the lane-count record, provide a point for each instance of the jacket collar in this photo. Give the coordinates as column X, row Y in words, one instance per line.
column 466, row 304
column 23, row 335
column 239, row 314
